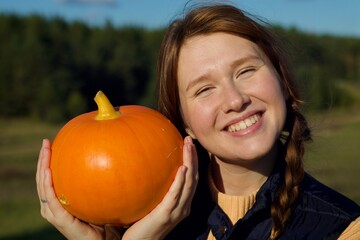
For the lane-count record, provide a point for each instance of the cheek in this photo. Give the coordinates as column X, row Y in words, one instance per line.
column 198, row 118
column 277, row 102
column 271, row 90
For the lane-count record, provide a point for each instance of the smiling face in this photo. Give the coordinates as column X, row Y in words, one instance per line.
column 230, row 96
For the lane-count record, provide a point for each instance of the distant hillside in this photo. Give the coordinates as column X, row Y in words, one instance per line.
column 51, row 69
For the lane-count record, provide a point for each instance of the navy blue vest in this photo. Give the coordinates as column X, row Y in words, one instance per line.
column 320, row 213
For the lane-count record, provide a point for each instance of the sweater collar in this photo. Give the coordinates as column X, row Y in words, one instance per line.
column 222, row 227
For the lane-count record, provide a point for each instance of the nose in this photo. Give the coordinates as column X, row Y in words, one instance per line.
column 234, row 99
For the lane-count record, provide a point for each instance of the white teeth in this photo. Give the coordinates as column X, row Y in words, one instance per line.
column 244, row 124
column 253, row 120
column 248, row 122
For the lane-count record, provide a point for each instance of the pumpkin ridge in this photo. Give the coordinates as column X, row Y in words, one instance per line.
column 145, row 156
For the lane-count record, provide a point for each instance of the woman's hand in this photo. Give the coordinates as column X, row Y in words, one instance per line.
column 176, row 204
column 52, row 211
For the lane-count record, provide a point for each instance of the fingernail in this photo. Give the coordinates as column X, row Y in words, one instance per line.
column 188, row 139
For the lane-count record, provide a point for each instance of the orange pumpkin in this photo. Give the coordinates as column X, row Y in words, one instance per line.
column 114, row 167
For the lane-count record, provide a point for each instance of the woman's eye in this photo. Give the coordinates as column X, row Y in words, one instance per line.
column 202, row 91
column 245, row 72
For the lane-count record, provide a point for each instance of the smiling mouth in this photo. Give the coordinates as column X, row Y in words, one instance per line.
column 244, row 124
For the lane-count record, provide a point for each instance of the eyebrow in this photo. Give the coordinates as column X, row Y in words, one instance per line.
column 196, row 82
column 239, row 61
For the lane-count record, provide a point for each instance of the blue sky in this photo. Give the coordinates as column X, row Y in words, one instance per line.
column 340, row 17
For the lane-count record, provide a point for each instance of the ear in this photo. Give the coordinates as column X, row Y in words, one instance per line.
column 190, row 132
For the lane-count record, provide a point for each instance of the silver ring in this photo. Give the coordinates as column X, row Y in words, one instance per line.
column 43, row 201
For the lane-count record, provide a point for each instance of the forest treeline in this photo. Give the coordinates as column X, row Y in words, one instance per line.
column 51, row 69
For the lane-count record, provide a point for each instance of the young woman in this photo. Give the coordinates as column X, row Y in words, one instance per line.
column 224, row 81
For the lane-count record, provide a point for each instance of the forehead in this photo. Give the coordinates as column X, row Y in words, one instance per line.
column 201, row 53
column 205, row 48
column 215, row 40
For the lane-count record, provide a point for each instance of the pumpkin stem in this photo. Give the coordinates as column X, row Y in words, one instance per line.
column 106, row 111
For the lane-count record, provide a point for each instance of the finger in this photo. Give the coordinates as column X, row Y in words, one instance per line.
column 172, row 197
column 44, row 180
column 37, row 177
column 43, row 164
column 191, row 160
column 38, row 162
column 54, row 206
column 38, row 167
column 191, row 177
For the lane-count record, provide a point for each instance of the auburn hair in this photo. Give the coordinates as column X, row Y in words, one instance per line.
column 209, row 19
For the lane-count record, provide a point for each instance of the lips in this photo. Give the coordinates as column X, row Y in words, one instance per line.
column 244, row 124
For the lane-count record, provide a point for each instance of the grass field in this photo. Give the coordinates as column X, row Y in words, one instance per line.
column 20, row 141
column 334, row 158
column 334, row 155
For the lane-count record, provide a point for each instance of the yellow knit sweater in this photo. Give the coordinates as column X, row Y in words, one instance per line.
column 237, row 206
